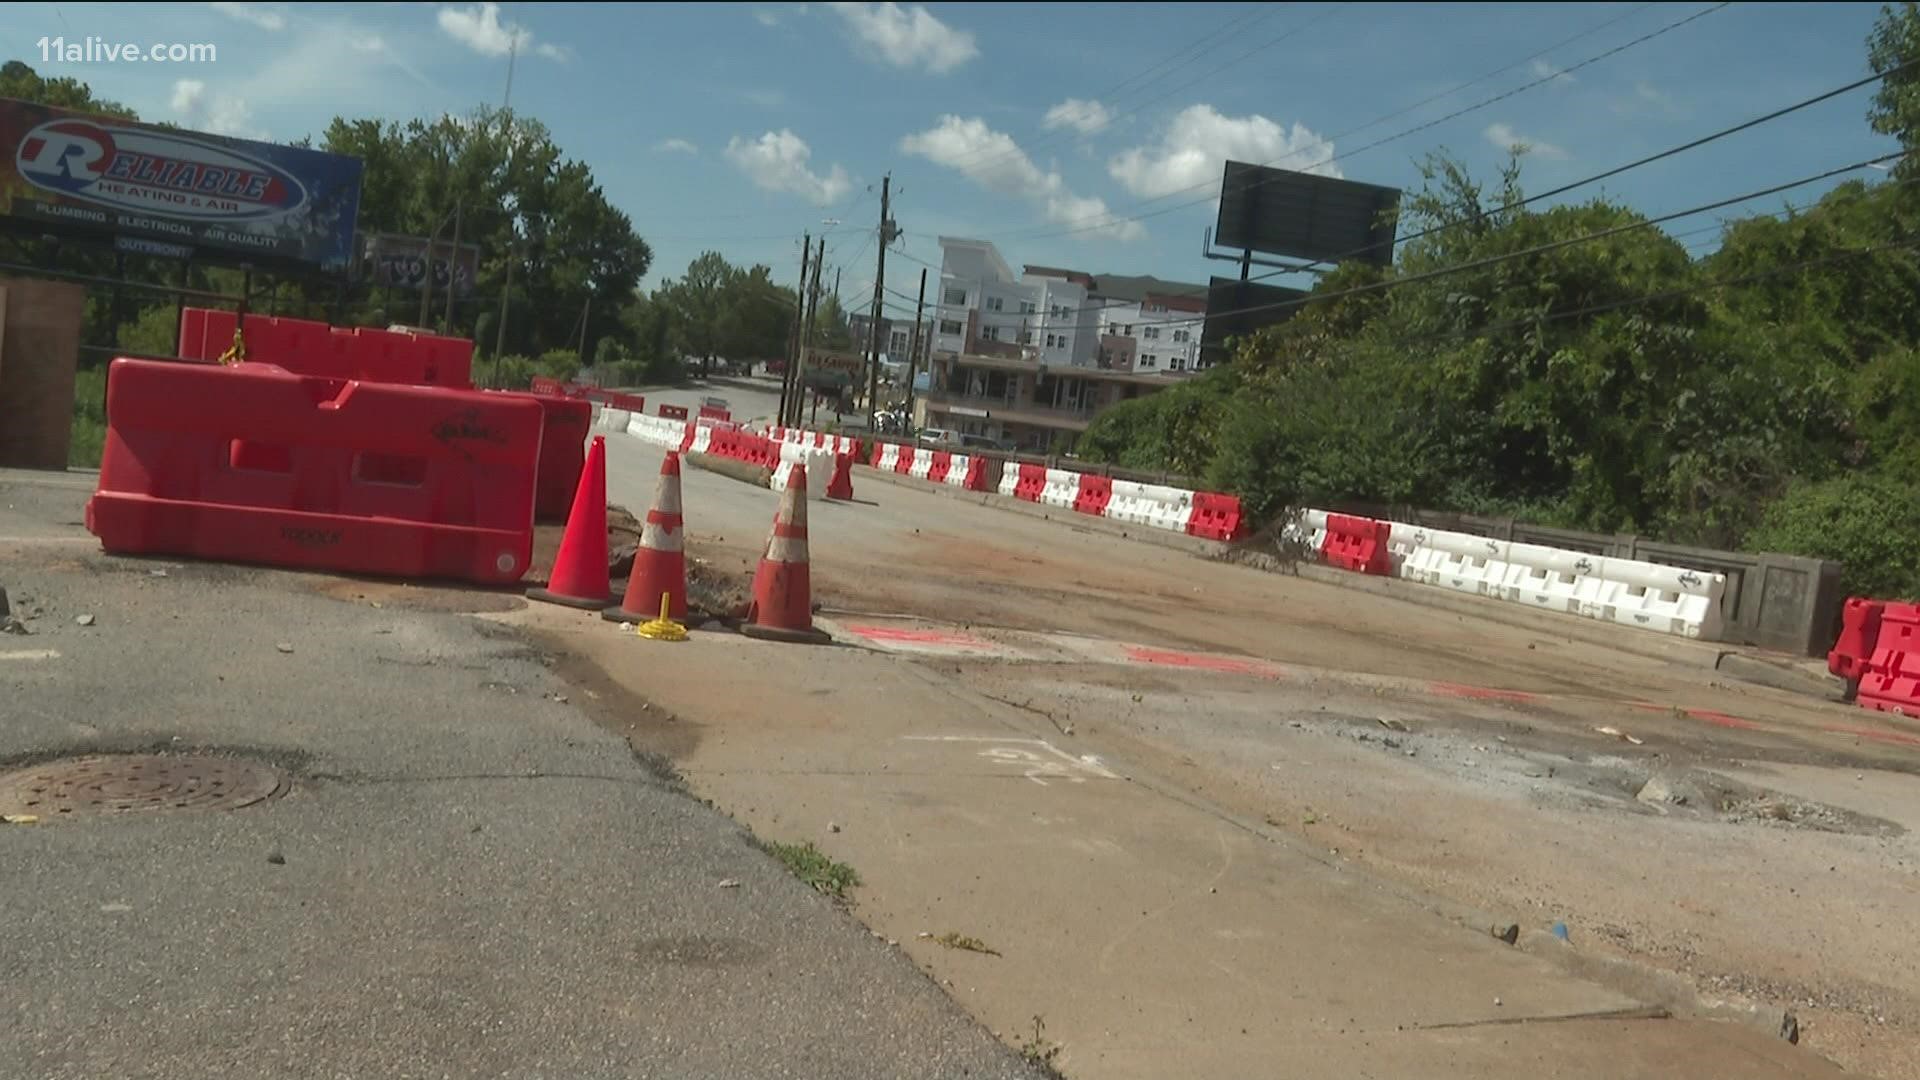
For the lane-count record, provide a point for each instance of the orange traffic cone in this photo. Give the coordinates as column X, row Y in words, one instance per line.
column 660, row 563
column 579, row 577
column 782, row 608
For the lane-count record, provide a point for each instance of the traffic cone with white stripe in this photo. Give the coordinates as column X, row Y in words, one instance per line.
column 660, row 562
column 782, row 608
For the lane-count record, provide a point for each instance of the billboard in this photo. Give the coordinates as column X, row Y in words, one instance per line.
column 1305, row 216
column 183, row 194
column 400, row 262
column 1236, row 307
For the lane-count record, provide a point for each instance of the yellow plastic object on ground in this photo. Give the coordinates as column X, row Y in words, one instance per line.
column 663, row 628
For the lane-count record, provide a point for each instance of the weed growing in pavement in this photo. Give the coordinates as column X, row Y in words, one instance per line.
column 811, row 865
column 1040, row 1052
column 970, row 944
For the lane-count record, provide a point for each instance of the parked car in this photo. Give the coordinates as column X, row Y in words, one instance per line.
column 939, row 437
column 986, row 445
column 716, row 403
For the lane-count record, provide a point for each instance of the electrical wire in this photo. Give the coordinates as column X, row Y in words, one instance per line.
column 1215, row 186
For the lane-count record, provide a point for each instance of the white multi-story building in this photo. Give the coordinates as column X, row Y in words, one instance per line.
column 986, row 309
column 1153, row 331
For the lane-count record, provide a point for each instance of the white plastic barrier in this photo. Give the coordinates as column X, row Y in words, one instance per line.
column 658, row 430
column 922, row 466
column 1667, row 599
column 1154, row 505
column 1457, row 561
column 702, row 438
column 614, row 419
column 1009, row 478
column 957, row 467
column 1552, row 578
column 1062, row 488
column 819, row 465
column 1402, row 541
column 889, row 457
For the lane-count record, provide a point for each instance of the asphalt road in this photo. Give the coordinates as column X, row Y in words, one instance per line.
column 470, row 877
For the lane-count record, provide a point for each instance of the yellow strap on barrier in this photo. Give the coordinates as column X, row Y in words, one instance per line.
column 236, row 352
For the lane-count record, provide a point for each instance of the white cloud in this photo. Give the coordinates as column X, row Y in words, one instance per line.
column 1543, row 70
column 1198, row 142
column 202, row 109
column 993, row 160
column 675, row 146
column 371, row 43
column 909, row 37
column 1085, row 117
column 248, row 13
column 770, row 17
column 1504, row 137
column 479, row 28
column 779, row 161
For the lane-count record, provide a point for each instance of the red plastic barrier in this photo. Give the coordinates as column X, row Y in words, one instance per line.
column 546, row 387
column 1216, row 517
column 976, row 473
column 878, row 448
column 937, row 470
column 335, row 352
column 673, row 412
column 1852, row 655
column 707, row 412
column 908, row 455
column 841, row 486
column 630, row 402
column 1358, row 544
column 256, row 464
column 1033, row 481
column 563, row 453
column 1892, row 681
column 1093, row 495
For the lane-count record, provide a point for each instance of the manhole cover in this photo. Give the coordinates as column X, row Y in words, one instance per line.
column 130, row 783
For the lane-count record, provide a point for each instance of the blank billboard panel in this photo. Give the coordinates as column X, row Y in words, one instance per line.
column 1303, row 216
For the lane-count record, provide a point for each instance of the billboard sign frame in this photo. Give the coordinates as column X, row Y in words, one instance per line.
column 148, row 189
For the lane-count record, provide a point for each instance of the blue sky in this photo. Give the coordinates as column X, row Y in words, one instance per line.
column 1048, row 129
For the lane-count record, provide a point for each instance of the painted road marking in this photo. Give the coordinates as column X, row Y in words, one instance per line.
column 31, row 654
column 916, row 640
column 1481, row 693
column 1894, row 737
column 1226, row 665
column 1717, row 719
column 1034, row 766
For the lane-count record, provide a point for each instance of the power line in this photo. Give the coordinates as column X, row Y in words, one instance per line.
column 1557, row 245
column 1564, row 188
column 1113, row 220
column 1016, row 151
column 1540, row 249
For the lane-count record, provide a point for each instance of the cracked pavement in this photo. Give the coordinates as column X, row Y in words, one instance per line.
column 474, row 878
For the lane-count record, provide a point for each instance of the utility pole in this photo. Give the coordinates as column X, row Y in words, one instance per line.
column 806, row 338
column 836, row 286
column 913, row 349
column 453, row 267
column 879, row 295
column 799, row 321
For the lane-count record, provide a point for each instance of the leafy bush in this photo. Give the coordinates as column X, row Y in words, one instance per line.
column 1869, row 523
column 88, row 438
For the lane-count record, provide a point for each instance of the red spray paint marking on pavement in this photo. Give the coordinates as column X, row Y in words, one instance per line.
column 1140, row 654
column 1717, row 719
column 1894, row 737
column 918, row 637
column 1481, row 693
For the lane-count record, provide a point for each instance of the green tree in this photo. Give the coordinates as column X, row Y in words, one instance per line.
column 1893, row 49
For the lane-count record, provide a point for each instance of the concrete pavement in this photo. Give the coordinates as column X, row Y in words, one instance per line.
column 468, row 878
column 1151, row 931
